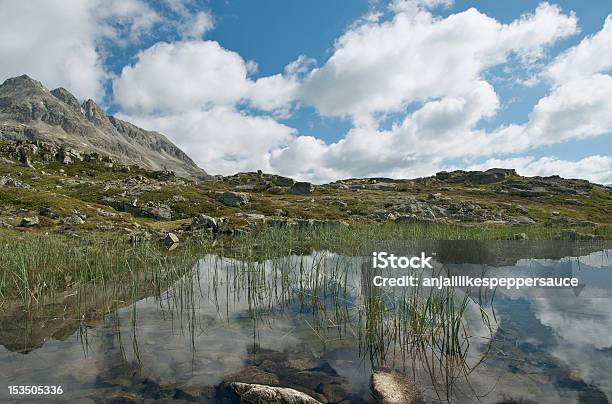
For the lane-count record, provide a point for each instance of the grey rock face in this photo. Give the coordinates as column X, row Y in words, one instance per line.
column 301, row 188
column 391, row 387
column 261, row 394
column 490, row 176
column 234, row 199
column 28, row 111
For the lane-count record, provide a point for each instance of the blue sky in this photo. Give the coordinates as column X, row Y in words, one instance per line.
column 512, row 94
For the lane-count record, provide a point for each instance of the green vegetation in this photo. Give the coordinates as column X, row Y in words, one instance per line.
column 34, row 265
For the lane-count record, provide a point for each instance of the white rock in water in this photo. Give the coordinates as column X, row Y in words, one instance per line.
column 261, row 394
column 391, row 387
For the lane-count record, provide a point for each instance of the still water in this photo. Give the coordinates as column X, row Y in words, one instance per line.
column 315, row 323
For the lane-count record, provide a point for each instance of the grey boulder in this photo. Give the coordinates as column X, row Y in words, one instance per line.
column 262, row 394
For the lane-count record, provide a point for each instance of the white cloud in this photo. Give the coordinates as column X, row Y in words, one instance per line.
column 182, row 76
column 380, row 68
column 220, row 139
column 175, row 77
column 416, row 57
column 429, row 72
column 592, row 55
column 197, row 25
column 57, row 41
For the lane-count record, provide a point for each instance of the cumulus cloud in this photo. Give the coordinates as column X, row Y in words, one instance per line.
column 222, row 140
column 57, row 41
column 592, row 55
column 383, row 67
column 429, row 72
column 196, row 91
column 416, row 57
column 181, row 76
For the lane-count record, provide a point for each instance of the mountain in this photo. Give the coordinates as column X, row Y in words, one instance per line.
column 29, row 111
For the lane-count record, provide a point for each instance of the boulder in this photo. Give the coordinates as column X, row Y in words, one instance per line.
column 522, row 220
column 391, row 387
column 171, row 240
column 252, row 375
column 234, row 199
column 301, row 188
column 72, row 220
column 281, row 181
column 262, row 394
column 204, row 222
column 159, row 211
column 29, row 221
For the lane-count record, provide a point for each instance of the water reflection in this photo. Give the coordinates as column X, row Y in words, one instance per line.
column 315, row 323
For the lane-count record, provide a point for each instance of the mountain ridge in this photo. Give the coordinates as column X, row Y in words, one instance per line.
column 29, row 111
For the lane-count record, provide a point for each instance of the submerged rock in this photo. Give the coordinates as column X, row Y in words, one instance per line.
column 391, row 387
column 262, row 394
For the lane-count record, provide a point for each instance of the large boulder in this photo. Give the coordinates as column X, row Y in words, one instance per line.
column 301, row 188
column 158, row 211
column 262, row 394
column 171, row 241
column 234, row 199
column 29, row 221
column 204, row 222
column 282, row 181
column 391, row 387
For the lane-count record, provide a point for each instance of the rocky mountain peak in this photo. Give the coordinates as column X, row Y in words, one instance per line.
column 23, row 81
column 94, row 113
column 66, row 97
